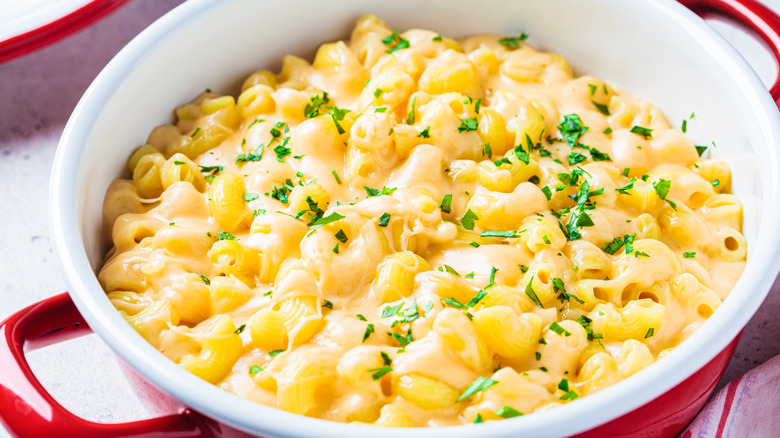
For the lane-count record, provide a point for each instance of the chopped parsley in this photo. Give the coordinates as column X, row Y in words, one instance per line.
column 650, row 332
column 275, row 353
column 375, row 192
column 377, row 373
column 408, row 314
column 449, row 269
column 508, row 412
column 341, row 236
column 281, row 193
column 570, row 179
column 312, row 108
column 504, row 160
column 529, row 290
column 579, row 217
column 425, row 133
column 452, row 302
column 257, row 155
column 570, row 395
column 547, row 192
column 597, row 155
column 336, row 175
column 249, row 197
column 481, row 384
column 521, row 153
column 560, row 331
column 224, row 235
column 446, row 203
column 689, row 255
column 509, row 234
column 492, row 281
column 474, row 301
column 368, row 332
column 254, row 369
column 337, row 114
column 319, row 223
column 662, row 187
column 403, row 340
column 617, row 243
column 624, row 190
column 468, row 125
column 585, row 322
column 205, row 279
column 395, row 42
column 468, row 220
column 602, row 108
column 410, row 116
column 642, row 132
column 571, row 129
column 391, row 310
column 384, row 219
column 513, row 42
column 385, row 358
column 575, row 158
column 210, row 171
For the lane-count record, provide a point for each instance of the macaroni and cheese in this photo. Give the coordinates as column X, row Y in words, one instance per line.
column 413, row 230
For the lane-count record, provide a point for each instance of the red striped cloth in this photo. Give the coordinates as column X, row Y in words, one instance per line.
column 749, row 406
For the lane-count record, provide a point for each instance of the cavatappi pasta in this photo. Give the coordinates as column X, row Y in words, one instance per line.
column 413, row 230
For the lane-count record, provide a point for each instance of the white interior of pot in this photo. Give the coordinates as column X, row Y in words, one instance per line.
column 643, row 47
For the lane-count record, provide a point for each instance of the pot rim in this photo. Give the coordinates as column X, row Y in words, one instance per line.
column 587, row 413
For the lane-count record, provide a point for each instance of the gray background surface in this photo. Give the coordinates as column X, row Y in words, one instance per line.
column 38, row 93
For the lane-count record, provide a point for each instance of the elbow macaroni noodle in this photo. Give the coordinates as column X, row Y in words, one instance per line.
column 419, row 231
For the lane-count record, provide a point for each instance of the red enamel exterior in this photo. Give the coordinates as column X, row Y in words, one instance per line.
column 26, row 409
column 753, row 15
column 58, row 29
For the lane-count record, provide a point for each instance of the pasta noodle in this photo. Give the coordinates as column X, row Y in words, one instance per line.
column 413, row 230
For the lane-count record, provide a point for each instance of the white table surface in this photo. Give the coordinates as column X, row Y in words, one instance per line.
column 38, row 93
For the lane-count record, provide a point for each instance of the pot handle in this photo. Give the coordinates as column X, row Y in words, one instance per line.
column 28, row 410
column 752, row 14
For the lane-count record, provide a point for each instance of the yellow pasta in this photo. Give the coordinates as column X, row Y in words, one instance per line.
column 507, row 334
column 179, row 168
column 395, row 276
column 220, row 348
column 147, row 175
column 425, row 392
column 412, row 230
column 226, row 202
